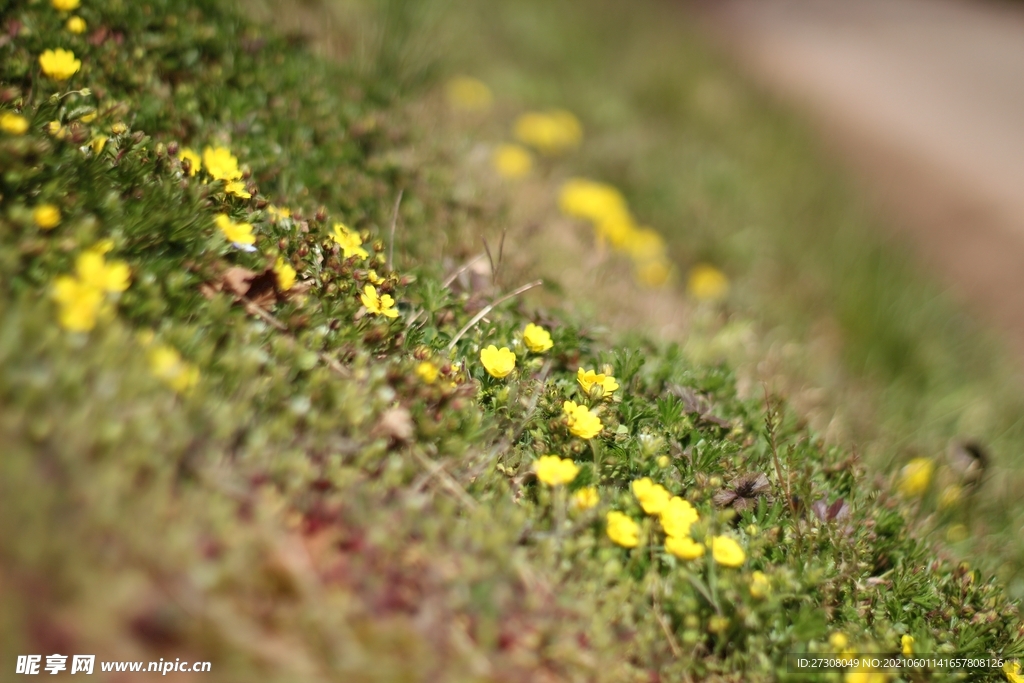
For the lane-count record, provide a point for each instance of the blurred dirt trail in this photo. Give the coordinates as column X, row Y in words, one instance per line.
column 926, row 99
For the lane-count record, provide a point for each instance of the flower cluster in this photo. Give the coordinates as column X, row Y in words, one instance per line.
column 82, row 297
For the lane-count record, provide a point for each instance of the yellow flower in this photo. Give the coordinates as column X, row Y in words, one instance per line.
column 512, row 162
column 221, row 164
column 237, row 188
column 498, row 362
column 59, row 64
column 678, row 516
column 916, row 476
column 239, row 234
column 707, row 283
column 98, row 143
column 838, row 641
column 654, row 273
column 907, row 645
column 589, row 378
column 194, row 162
column 166, row 364
column 957, row 533
column 75, row 25
column 863, row 675
column 350, row 242
column 56, row 130
column 727, row 552
column 119, row 128
column 46, row 216
column 373, row 278
column 760, row 587
column 581, row 421
column 684, row 547
column 279, row 213
column 536, row 338
column 94, row 271
column 622, row 529
column 597, row 202
column 13, row 124
column 427, row 372
column 950, row 496
column 1012, row 671
column 586, row 498
column 79, row 303
column 65, row 5
column 644, row 244
column 653, row 497
column 551, row 132
column 555, row 471
column 285, row 274
column 469, row 94
column 664, row 461
column 381, row 304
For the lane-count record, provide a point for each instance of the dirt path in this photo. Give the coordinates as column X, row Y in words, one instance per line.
column 926, row 99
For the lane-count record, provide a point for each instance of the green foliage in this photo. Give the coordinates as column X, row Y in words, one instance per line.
column 317, row 499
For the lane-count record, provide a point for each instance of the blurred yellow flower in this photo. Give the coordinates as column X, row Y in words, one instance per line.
column 555, row 471
column 350, row 242
column 553, row 132
column 94, row 271
column 760, row 587
column 46, row 216
column 865, row 675
column 239, row 234
column 59, row 64
column 907, row 645
column 79, row 303
column 645, row 244
column 536, row 338
column 120, row 128
column 194, row 162
column 586, row 498
column 707, row 283
column 237, row 188
column 65, row 5
column 597, row 202
column 277, row 214
column 653, row 497
column 512, row 161
column 727, row 552
column 664, row 461
column 468, row 94
column 98, row 143
column 678, row 516
column 915, row 477
column 372, row 276
column 13, row 124
column 498, row 363
column 427, row 372
column 1012, row 671
column 221, row 164
column 950, row 496
column 654, row 273
column 956, row 533
column 75, row 25
column 684, row 547
column 581, row 421
column 622, row 529
column 167, row 364
column 285, row 274
column 381, row 304
column 589, row 378
column 838, row 641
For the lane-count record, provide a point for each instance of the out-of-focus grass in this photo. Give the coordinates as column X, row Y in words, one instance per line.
column 733, row 178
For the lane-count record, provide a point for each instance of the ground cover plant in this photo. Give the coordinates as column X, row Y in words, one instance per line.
column 235, row 432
